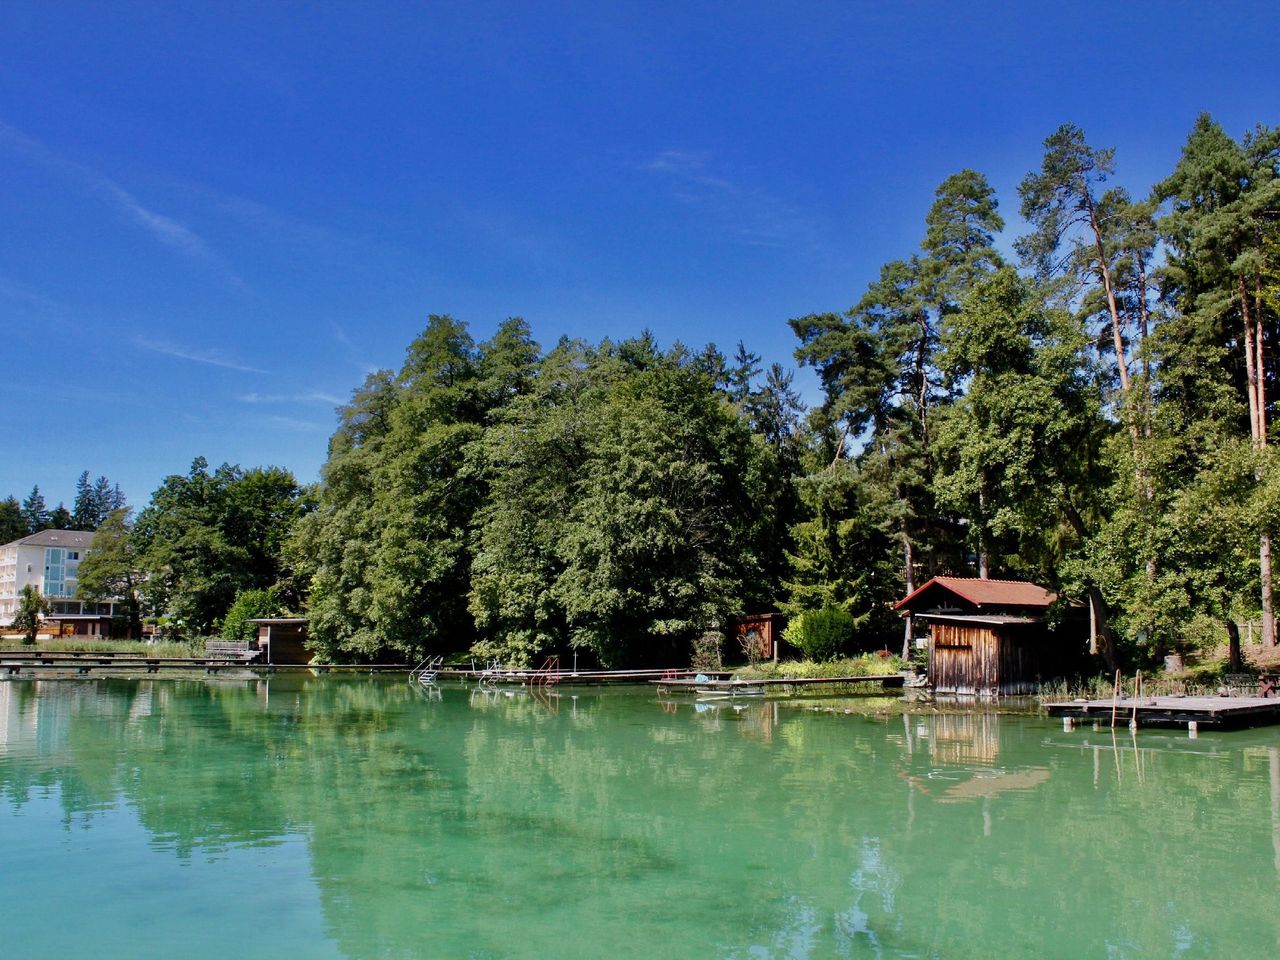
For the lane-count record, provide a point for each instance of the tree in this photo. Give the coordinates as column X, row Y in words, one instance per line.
column 111, row 569
column 206, row 536
column 1024, row 462
column 1222, row 229
column 84, row 508
column 843, row 557
column 532, row 457
column 1062, row 203
column 878, row 366
column 60, row 518
column 248, row 605
column 388, row 550
column 31, row 608
column 94, row 500
column 665, row 535
column 13, row 525
column 34, row 512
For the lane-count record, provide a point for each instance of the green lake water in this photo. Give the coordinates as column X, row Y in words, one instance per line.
column 303, row 817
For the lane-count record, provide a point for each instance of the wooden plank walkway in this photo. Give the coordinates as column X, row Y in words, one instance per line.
column 1219, row 713
column 885, row 680
column 29, row 662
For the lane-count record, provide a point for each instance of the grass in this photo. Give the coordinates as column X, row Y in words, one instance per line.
column 867, row 665
column 1197, row 681
column 168, row 648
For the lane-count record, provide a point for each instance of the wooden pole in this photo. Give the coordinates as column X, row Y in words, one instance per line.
column 1137, row 693
column 1115, row 699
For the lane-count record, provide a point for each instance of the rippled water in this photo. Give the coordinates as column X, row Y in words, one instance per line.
column 360, row 818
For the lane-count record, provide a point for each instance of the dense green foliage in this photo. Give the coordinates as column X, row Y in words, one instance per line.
column 821, row 634
column 607, row 498
column 248, row 605
column 31, row 607
column 207, row 536
column 113, row 570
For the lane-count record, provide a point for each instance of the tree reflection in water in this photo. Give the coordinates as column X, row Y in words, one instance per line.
column 577, row 823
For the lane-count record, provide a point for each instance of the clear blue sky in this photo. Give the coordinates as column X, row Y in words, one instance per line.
column 216, row 217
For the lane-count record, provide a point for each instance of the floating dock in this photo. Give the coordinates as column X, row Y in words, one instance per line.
column 17, row 663
column 728, row 686
column 1206, row 713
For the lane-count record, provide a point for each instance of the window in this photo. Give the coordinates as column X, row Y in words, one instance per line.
column 73, row 554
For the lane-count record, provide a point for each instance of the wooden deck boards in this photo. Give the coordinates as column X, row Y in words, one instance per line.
column 1207, row 712
column 887, row 680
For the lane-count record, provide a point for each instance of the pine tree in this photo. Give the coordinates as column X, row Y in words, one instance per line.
column 13, row 525
column 84, row 510
column 34, row 513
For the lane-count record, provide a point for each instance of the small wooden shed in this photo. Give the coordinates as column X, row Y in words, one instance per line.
column 989, row 638
column 761, row 631
column 282, row 639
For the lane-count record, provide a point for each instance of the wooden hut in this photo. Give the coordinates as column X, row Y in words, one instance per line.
column 989, row 638
column 760, row 632
column 282, row 639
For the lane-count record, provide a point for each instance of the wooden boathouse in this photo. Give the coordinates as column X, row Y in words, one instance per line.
column 282, row 639
column 990, row 638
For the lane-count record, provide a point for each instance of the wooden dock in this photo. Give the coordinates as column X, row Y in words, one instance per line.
column 17, row 663
column 1207, row 713
column 728, row 685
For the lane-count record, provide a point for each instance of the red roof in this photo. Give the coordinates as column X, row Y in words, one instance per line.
column 987, row 593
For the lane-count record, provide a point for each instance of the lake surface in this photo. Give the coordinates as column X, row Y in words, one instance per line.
column 325, row 817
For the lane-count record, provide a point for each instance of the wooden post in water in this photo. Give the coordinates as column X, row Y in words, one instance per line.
column 1115, row 699
column 1137, row 694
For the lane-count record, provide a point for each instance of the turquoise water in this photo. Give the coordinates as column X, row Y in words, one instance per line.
column 359, row 818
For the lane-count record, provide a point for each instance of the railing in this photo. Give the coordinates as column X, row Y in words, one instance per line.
column 427, row 672
column 547, row 674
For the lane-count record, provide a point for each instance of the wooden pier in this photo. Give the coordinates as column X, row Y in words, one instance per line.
column 17, row 663
column 1206, row 713
column 728, row 685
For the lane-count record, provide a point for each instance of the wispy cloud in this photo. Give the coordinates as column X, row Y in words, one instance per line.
column 690, row 166
column 212, row 357
column 314, row 396
column 354, row 353
column 163, row 228
column 752, row 216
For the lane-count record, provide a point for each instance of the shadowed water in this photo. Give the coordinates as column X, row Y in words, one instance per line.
column 361, row 818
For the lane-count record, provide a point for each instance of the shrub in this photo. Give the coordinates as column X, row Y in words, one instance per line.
column 248, row 605
column 707, row 651
column 820, row 634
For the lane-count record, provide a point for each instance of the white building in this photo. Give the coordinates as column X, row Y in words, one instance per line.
column 49, row 561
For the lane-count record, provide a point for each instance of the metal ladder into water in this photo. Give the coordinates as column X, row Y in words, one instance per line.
column 427, row 672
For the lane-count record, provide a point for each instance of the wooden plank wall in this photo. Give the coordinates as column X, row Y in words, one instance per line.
column 986, row 660
column 962, row 658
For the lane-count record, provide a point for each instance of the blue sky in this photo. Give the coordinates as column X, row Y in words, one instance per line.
column 216, row 218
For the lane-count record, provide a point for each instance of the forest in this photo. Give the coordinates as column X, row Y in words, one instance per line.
column 1089, row 409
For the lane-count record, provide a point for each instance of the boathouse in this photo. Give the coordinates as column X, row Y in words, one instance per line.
column 282, row 639
column 760, row 633
column 990, row 638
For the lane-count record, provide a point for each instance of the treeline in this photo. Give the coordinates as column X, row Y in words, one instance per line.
column 613, row 497
column 94, row 500
column 1094, row 416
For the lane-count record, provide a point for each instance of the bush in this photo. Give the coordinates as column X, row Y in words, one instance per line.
column 820, row 634
column 248, row 605
column 707, row 651
column 864, row 665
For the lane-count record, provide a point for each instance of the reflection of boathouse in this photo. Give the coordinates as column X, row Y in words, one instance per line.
column 989, row 637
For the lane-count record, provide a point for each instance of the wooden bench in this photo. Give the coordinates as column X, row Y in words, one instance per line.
column 224, row 650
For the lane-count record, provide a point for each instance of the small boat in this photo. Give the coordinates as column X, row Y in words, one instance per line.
column 728, row 689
